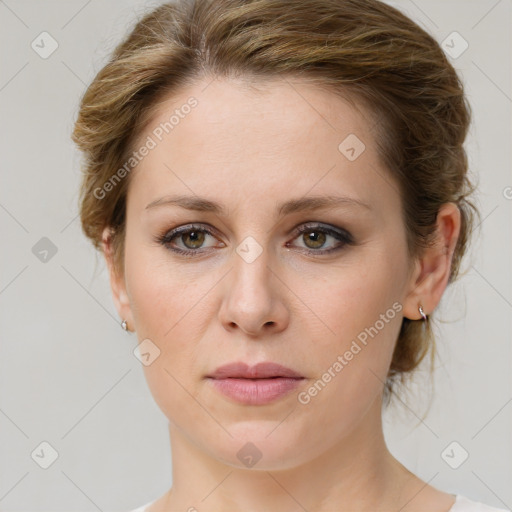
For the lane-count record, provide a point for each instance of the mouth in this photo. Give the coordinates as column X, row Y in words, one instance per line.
column 257, row 385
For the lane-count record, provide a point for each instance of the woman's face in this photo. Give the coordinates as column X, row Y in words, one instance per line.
column 326, row 303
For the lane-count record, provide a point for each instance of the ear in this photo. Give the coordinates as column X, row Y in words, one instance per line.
column 117, row 282
column 432, row 269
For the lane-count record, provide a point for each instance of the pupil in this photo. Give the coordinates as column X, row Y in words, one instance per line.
column 195, row 238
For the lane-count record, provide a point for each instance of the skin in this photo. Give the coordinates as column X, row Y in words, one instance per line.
column 249, row 150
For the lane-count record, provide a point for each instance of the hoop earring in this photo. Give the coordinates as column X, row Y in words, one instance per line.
column 124, row 325
column 422, row 313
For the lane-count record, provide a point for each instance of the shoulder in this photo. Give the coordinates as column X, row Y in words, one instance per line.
column 463, row 504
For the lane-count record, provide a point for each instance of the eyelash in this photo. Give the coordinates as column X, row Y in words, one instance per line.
column 343, row 236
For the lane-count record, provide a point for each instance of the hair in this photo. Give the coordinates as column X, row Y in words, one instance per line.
column 363, row 50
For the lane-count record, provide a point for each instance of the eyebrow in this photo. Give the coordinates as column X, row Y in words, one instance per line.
column 302, row 204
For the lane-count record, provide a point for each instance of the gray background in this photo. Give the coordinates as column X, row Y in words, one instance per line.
column 68, row 376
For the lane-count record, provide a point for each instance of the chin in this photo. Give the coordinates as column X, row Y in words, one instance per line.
column 259, row 445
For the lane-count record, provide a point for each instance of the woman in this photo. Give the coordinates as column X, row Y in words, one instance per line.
column 280, row 191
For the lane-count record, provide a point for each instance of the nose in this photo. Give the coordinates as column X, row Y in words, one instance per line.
column 253, row 297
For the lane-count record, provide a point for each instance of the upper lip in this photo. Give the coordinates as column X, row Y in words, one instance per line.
column 264, row 370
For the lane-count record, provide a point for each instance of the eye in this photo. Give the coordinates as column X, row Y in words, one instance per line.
column 192, row 239
column 314, row 236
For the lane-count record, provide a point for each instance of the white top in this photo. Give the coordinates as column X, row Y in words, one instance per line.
column 462, row 504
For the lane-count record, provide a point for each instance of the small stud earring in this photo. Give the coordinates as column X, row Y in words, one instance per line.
column 124, row 325
column 422, row 313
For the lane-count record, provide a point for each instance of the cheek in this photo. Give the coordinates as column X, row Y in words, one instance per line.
column 168, row 308
column 344, row 302
column 163, row 296
column 354, row 324
column 352, row 365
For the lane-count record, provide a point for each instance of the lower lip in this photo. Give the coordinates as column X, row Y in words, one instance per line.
column 255, row 391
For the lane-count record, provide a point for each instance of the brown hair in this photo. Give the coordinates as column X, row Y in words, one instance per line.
column 363, row 48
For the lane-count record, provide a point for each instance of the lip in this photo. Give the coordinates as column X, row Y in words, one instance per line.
column 255, row 385
column 265, row 370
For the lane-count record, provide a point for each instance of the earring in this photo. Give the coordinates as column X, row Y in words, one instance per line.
column 422, row 313
column 124, row 325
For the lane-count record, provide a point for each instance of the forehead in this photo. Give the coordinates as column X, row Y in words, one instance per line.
column 259, row 139
column 260, row 107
